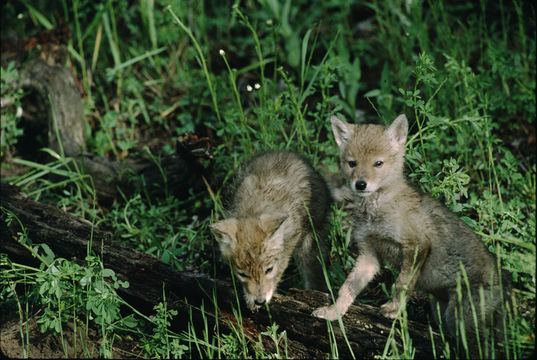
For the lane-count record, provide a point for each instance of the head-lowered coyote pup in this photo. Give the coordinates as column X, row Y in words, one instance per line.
column 393, row 223
column 274, row 196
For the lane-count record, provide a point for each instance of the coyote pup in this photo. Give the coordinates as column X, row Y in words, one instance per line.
column 393, row 222
column 274, row 196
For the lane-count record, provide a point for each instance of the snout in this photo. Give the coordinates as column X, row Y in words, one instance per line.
column 261, row 294
column 360, row 185
column 259, row 301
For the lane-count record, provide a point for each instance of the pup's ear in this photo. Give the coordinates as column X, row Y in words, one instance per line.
column 276, row 227
column 342, row 131
column 398, row 130
column 225, row 232
column 269, row 223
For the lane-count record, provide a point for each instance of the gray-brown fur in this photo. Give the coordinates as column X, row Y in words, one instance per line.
column 268, row 221
column 394, row 223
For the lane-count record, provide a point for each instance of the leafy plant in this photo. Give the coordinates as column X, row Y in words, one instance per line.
column 162, row 343
column 11, row 107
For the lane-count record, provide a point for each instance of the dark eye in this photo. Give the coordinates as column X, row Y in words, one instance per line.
column 242, row 274
column 378, row 163
column 269, row 270
column 352, row 163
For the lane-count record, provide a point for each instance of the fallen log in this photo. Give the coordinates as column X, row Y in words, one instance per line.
column 63, row 117
column 366, row 331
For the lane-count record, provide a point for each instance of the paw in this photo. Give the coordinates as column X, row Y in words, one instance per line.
column 389, row 309
column 326, row 312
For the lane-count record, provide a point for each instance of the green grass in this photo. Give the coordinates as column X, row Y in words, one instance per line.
column 260, row 75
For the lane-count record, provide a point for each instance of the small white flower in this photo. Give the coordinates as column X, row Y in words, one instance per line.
column 221, row 52
column 249, row 88
column 257, row 86
column 269, row 22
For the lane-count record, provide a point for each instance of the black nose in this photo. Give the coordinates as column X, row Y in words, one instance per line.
column 259, row 301
column 360, row 185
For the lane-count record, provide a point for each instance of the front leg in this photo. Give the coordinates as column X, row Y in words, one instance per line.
column 366, row 267
column 410, row 271
column 309, row 263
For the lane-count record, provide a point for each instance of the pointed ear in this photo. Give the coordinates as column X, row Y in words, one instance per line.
column 342, row 131
column 225, row 232
column 269, row 223
column 398, row 130
column 275, row 227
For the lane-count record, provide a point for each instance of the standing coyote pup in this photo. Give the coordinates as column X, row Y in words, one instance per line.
column 413, row 232
column 274, row 197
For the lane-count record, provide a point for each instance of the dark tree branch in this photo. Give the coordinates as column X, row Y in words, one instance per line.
column 366, row 330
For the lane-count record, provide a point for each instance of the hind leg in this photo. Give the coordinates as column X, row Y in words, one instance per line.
column 459, row 325
column 476, row 319
column 438, row 310
column 309, row 264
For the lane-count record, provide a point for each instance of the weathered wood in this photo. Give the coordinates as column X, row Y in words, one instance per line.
column 65, row 122
column 109, row 176
column 68, row 236
column 66, row 117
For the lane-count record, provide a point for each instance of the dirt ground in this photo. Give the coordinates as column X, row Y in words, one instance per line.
column 46, row 345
